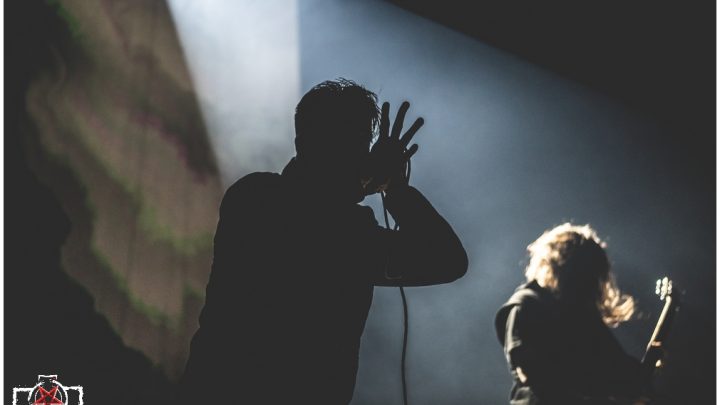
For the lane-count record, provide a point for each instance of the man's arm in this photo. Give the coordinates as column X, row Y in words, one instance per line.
column 424, row 251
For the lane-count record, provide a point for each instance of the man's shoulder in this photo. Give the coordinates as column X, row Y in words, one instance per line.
column 533, row 301
column 255, row 182
column 529, row 294
column 255, row 187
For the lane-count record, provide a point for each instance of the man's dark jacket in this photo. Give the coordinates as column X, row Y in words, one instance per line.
column 291, row 285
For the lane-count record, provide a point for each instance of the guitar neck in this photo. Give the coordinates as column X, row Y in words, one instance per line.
column 653, row 353
column 664, row 322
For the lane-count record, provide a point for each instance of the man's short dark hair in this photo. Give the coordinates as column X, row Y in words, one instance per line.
column 335, row 105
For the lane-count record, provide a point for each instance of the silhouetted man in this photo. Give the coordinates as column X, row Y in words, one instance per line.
column 296, row 258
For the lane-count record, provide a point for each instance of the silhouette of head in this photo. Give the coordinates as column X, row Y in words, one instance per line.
column 571, row 261
column 335, row 122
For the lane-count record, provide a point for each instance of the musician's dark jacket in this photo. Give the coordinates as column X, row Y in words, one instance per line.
column 568, row 355
column 291, row 285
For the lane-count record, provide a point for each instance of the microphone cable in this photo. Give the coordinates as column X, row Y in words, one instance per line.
column 402, row 295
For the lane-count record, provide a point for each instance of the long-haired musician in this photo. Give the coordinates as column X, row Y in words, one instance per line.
column 555, row 329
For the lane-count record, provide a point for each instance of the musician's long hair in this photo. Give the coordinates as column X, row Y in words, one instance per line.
column 571, row 261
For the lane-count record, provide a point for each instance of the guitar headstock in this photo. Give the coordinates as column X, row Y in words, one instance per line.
column 664, row 288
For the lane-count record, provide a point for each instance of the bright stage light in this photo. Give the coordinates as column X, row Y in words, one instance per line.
column 244, row 60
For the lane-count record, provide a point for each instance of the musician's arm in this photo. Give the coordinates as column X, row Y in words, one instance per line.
column 530, row 362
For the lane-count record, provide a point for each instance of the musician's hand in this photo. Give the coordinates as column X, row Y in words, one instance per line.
column 654, row 355
column 390, row 154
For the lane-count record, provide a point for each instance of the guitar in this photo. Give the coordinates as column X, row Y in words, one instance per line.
column 653, row 358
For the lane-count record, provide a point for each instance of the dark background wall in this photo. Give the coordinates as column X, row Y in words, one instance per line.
column 536, row 113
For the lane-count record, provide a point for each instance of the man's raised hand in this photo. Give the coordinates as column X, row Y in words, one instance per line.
column 390, row 153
